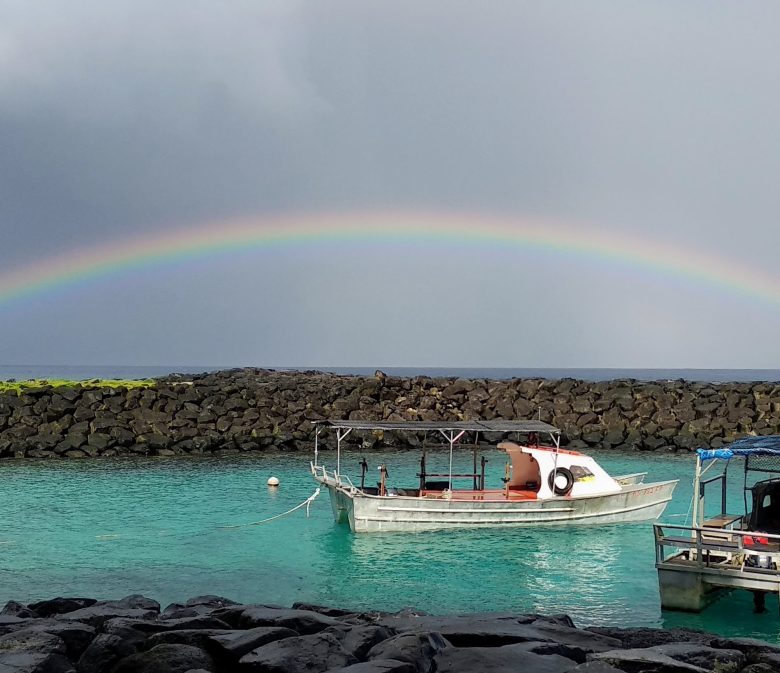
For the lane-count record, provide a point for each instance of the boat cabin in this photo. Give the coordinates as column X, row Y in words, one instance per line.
column 546, row 472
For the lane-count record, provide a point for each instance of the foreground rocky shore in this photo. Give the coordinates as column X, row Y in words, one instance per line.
column 250, row 409
column 214, row 634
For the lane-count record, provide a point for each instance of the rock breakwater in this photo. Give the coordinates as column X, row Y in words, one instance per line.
column 216, row 635
column 251, row 409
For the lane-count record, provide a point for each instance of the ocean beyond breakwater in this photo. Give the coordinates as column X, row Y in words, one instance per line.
column 217, row 635
column 254, row 409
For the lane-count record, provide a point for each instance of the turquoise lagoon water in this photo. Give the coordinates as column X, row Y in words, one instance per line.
column 108, row 528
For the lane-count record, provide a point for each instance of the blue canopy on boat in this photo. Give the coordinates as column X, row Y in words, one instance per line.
column 747, row 446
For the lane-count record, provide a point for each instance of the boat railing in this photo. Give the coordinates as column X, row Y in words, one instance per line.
column 333, row 478
column 702, row 486
column 710, row 547
column 345, row 482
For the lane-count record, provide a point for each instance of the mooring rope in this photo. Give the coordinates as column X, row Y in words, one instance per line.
column 306, row 503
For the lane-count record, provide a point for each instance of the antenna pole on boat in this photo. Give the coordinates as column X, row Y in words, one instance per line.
column 317, row 431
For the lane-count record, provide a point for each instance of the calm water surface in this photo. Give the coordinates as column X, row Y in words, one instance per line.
column 107, row 528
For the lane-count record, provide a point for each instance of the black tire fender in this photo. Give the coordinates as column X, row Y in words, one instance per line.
column 561, row 472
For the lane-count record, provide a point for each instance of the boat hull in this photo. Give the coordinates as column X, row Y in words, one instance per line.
column 370, row 514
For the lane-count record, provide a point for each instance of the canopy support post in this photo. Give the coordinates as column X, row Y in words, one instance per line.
column 697, row 499
column 451, row 437
column 339, row 436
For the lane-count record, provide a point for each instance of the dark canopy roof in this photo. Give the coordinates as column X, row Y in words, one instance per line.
column 470, row 426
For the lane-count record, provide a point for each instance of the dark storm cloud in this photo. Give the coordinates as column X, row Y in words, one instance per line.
column 121, row 115
column 127, row 115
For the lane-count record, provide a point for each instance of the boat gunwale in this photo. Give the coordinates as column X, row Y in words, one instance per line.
column 628, row 488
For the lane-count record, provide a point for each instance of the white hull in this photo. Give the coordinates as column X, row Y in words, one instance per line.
column 369, row 514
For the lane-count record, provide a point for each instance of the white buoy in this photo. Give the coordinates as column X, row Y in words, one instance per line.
column 273, row 481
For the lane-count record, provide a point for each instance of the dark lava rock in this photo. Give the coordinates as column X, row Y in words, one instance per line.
column 134, row 602
column 29, row 640
column 235, row 644
column 18, row 610
column 323, row 610
column 303, row 654
column 58, row 606
column 574, row 653
column 200, row 605
column 749, row 646
column 10, row 623
column 166, row 659
column 29, row 651
column 304, row 622
column 489, row 630
column 179, row 611
column 769, row 659
column 196, row 622
column 505, row 659
column 559, row 620
column 200, row 638
column 129, row 627
column 595, row 667
column 378, row 666
column 210, row 601
column 646, row 661
column 219, row 636
column 107, row 649
column 418, row 649
column 643, row 637
column 74, row 635
column 358, row 640
column 120, row 637
column 135, row 607
column 96, row 615
column 703, row 656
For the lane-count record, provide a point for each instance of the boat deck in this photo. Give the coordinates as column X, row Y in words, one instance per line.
column 705, row 560
column 490, row 495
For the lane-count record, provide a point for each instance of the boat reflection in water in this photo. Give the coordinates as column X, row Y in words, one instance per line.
column 596, row 576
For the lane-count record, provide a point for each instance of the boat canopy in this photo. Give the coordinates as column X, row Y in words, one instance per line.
column 444, row 426
column 451, row 430
column 746, row 447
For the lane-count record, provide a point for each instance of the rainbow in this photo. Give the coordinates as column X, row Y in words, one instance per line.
column 423, row 230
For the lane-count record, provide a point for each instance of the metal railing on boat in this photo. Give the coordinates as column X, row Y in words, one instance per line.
column 335, row 479
column 724, row 556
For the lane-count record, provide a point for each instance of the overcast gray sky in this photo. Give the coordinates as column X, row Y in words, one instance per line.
column 655, row 120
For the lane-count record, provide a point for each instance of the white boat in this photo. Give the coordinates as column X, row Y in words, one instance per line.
column 543, row 485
